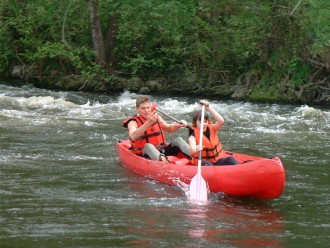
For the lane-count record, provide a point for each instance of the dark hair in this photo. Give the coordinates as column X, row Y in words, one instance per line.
column 141, row 99
column 198, row 116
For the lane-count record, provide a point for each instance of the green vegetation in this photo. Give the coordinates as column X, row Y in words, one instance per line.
column 272, row 50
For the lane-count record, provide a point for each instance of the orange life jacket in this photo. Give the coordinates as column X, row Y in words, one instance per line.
column 212, row 148
column 153, row 135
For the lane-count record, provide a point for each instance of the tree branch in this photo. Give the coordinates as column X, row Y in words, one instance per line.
column 64, row 21
column 294, row 9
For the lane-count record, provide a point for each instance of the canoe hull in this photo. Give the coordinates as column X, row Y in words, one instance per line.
column 255, row 177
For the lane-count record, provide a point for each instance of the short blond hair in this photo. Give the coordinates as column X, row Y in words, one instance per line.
column 141, row 99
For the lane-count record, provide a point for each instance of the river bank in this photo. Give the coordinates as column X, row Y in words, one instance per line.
column 252, row 92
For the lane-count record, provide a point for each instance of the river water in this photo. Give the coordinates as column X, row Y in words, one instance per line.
column 62, row 184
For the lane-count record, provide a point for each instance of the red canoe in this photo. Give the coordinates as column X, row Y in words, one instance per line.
column 254, row 177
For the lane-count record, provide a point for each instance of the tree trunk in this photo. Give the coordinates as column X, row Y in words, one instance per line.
column 110, row 42
column 96, row 32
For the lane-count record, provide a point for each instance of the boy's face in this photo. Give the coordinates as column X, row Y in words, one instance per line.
column 144, row 110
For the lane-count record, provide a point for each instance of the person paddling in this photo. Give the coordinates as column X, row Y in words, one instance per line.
column 212, row 152
column 147, row 136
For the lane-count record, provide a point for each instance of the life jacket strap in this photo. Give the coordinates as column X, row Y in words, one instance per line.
column 150, row 135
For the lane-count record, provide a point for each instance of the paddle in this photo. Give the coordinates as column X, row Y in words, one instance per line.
column 154, row 107
column 198, row 188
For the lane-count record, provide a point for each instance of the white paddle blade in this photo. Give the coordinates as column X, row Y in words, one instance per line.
column 198, row 189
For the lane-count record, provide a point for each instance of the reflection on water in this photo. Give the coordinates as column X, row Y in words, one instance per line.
column 218, row 223
column 163, row 215
column 236, row 225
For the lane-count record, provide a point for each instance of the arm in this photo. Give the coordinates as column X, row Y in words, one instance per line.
column 136, row 132
column 219, row 119
column 170, row 128
column 192, row 145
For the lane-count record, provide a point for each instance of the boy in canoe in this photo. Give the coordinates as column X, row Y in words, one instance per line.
column 146, row 133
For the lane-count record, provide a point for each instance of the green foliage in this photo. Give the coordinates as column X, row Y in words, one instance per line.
column 264, row 94
column 314, row 19
column 225, row 36
column 5, row 52
column 36, row 33
column 299, row 71
column 154, row 43
column 205, row 41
